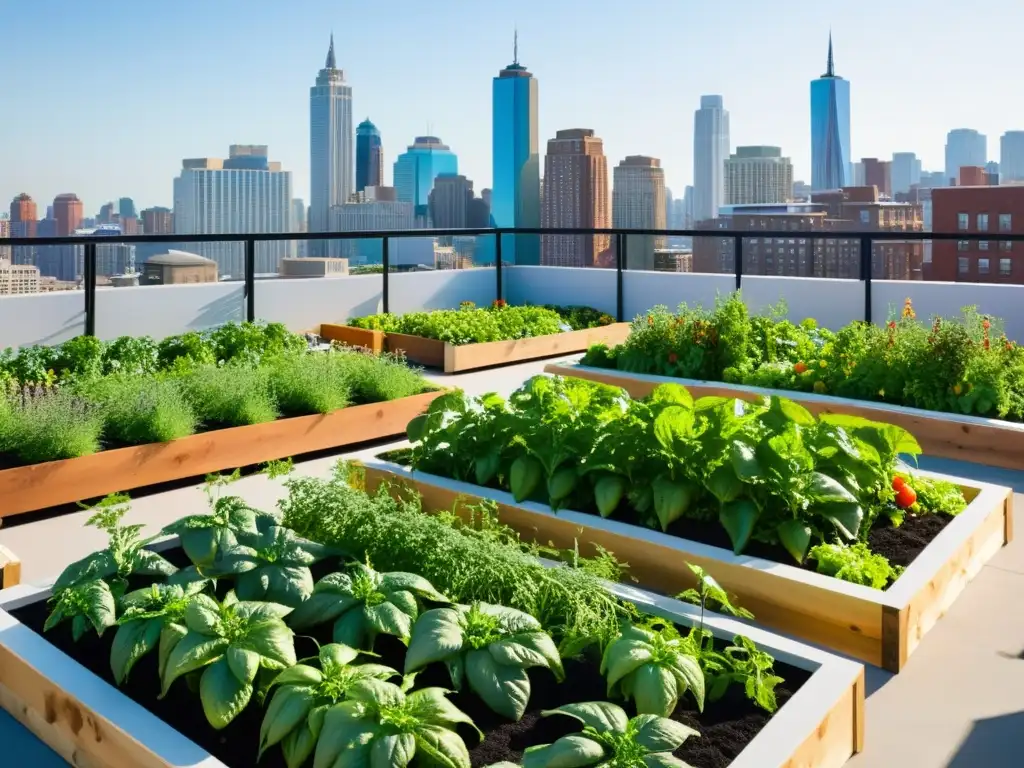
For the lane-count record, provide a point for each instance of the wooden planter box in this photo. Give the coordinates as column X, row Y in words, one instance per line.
column 880, row 627
column 452, row 358
column 10, row 569
column 39, row 486
column 90, row 723
column 947, row 435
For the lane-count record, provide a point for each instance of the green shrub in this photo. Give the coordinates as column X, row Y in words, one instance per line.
column 232, row 395
column 185, row 351
column 141, row 409
column 130, row 355
column 375, row 379
column 252, row 342
column 305, row 383
column 49, row 424
column 80, row 356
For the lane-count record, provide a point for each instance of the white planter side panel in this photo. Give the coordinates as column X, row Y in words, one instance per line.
column 833, row 303
column 441, row 289
column 41, row 318
column 591, row 287
column 302, row 304
column 642, row 291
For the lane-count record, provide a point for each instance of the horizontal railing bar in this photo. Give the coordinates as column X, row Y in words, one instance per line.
column 746, row 234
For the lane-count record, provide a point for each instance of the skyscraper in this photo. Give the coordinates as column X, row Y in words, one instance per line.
column 449, row 201
column 245, row 194
column 1011, row 157
column 575, row 196
column 24, row 216
column 369, row 156
column 69, row 212
column 878, row 174
column 330, row 147
column 416, row 168
column 906, row 172
column 638, row 202
column 710, row 149
column 830, row 129
column 126, row 208
column 515, row 197
column 758, row 175
column 964, row 147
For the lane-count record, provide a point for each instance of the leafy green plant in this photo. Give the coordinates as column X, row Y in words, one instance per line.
column 229, row 642
column 234, row 395
column 125, row 554
column 364, row 603
column 131, row 355
column 48, row 425
column 153, row 617
column 89, row 603
column 203, row 537
column 854, row 563
column 610, row 738
column 139, row 409
column 378, row 378
column 709, row 594
column 304, row 383
column 491, row 646
column 184, row 352
column 80, row 356
column 654, row 669
column 304, row 694
column 271, row 564
column 380, row 724
column 252, row 342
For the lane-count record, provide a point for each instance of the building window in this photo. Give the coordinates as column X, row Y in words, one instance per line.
column 1005, row 222
column 962, row 265
column 962, row 245
column 983, row 245
column 865, row 217
column 1005, row 245
column 983, row 222
column 1004, row 267
column 982, row 266
column 963, row 221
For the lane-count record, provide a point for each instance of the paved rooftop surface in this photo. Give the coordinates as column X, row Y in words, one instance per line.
column 958, row 704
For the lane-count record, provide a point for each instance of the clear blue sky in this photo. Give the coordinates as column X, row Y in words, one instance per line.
column 104, row 99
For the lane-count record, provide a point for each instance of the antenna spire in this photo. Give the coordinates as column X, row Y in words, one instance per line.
column 830, row 70
column 515, row 47
column 331, row 63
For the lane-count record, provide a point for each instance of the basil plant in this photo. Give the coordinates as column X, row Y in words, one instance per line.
column 88, row 604
column 203, row 537
column 230, row 642
column 380, row 724
column 304, row 694
column 364, row 603
column 609, row 738
column 491, row 646
column 653, row 669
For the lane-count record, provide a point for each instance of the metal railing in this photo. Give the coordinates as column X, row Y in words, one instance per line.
column 865, row 239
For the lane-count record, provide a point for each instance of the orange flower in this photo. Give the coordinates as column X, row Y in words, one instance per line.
column 800, row 367
column 672, row 357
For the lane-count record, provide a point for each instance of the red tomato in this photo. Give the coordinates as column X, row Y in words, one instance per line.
column 800, row 367
column 898, row 482
column 905, row 497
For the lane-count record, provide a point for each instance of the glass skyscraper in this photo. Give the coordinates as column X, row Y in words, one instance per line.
column 369, row 156
column 515, row 197
column 830, row 129
column 416, row 168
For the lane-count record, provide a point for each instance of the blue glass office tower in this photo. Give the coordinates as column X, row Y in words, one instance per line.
column 369, row 156
column 830, row 129
column 416, row 168
column 515, row 195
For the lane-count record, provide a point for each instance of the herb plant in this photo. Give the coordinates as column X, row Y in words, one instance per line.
column 139, row 409
column 854, row 563
column 230, row 642
column 491, row 646
column 203, row 537
column 304, row 694
column 48, row 424
column 610, row 738
column 234, row 395
column 364, row 603
column 89, row 603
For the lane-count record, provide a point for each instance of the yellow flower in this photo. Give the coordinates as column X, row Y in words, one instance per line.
column 823, row 364
column 957, row 389
column 881, row 393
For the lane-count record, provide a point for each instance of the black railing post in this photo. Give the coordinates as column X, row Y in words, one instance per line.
column 620, row 264
column 737, row 256
column 865, row 274
column 497, row 264
column 250, row 279
column 385, row 259
column 89, row 285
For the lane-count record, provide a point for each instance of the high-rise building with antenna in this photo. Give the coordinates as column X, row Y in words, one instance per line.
column 830, row 129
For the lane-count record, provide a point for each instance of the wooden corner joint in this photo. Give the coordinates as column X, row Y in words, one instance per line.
column 894, row 638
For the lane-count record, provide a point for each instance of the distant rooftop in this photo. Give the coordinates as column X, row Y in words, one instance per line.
column 175, row 258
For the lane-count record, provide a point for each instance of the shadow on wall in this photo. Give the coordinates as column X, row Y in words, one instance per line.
column 224, row 309
column 993, row 742
column 73, row 326
column 443, row 289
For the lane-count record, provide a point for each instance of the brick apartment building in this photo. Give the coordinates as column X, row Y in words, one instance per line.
column 852, row 209
column 978, row 210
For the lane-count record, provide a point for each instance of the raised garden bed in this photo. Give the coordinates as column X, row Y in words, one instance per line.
column 10, row 568
column 52, row 483
column 947, row 435
column 64, row 693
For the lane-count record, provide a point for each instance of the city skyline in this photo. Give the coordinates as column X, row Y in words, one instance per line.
column 767, row 102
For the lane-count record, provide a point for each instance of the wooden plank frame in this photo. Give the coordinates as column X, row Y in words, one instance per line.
column 879, row 627
column 40, row 486
column 10, row 568
column 947, row 435
column 364, row 338
column 453, row 358
column 91, row 724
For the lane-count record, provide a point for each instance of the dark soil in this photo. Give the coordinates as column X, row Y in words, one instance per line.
column 726, row 726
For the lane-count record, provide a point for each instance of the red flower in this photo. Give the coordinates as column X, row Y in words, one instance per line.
column 498, row 303
column 892, row 325
column 986, row 324
column 800, row 367
column 672, row 357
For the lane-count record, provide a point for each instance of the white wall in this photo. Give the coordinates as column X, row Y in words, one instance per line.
column 302, row 304
column 641, row 291
column 591, row 287
column 41, row 318
column 164, row 310
column 443, row 289
column 833, row 303
column 1005, row 302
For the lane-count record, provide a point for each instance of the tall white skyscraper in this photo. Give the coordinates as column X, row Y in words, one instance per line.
column 906, row 171
column 330, row 147
column 758, row 175
column 710, row 148
column 244, row 194
column 1011, row 156
column 638, row 202
column 964, row 147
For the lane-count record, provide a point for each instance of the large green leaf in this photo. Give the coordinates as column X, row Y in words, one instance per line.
column 289, row 585
column 572, row 751
column 320, row 608
column 410, row 582
column 146, row 562
column 845, row 516
column 431, row 705
column 602, row 716
column 795, row 536
column 301, row 674
column 655, row 690
column 392, row 750
column 192, row 652
column 386, row 619
column 672, row 426
column 724, row 484
column 298, row 745
column 825, row 490
column 436, row 635
column 337, row 655
column 203, row 615
column 743, row 459
column 254, row 584
column 244, row 664
column 350, row 629
column 660, row 734
column 223, row 695
column 529, row 649
column 287, row 711
column 664, row 760
column 506, row 690
column 738, row 518
column 690, row 677
column 443, row 747
column 132, row 641
column 344, row 734
column 273, row 641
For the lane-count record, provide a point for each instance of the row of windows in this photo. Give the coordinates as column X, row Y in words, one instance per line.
column 964, row 266
column 965, row 245
column 963, row 222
